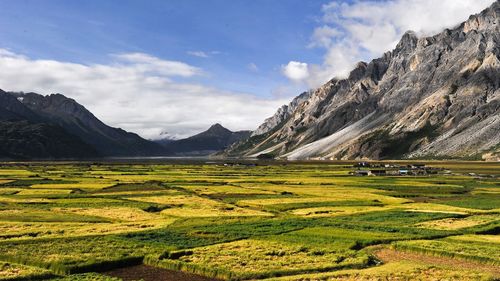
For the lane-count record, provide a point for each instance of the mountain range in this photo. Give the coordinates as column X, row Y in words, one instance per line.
column 430, row 97
column 33, row 126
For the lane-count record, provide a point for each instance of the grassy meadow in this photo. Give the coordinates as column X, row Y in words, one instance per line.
column 271, row 221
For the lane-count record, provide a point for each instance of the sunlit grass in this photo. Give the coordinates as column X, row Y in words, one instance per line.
column 307, row 221
column 458, row 223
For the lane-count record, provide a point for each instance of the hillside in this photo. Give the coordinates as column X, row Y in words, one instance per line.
column 58, row 119
column 26, row 140
column 430, row 97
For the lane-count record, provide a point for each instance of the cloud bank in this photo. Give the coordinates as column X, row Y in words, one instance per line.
column 362, row 30
column 295, row 71
column 138, row 92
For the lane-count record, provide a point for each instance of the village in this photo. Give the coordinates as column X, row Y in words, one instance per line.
column 372, row 169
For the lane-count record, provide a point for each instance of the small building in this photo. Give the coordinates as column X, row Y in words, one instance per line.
column 362, row 164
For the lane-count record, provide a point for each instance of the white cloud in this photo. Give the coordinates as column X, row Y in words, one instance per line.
column 199, row 54
column 323, row 36
column 145, row 63
column 253, row 67
column 363, row 30
column 138, row 92
column 295, row 71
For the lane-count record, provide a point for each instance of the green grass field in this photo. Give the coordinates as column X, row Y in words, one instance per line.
column 275, row 221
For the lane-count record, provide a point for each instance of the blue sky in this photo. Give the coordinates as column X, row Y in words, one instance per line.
column 234, row 34
column 178, row 66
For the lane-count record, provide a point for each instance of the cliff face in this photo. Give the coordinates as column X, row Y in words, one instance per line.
column 432, row 97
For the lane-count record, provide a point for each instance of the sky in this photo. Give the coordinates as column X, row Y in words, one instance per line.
column 172, row 68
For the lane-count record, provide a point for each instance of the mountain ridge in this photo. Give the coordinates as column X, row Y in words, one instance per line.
column 433, row 96
column 58, row 119
column 215, row 139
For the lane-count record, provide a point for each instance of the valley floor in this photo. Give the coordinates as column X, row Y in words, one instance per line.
column 265, row 220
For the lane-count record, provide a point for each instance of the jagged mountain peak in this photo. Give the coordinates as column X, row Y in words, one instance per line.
column 407, row 43
column 434, row 96
column 217, row 129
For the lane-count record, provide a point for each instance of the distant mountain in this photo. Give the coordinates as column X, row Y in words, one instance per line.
column 215, row 139
column 26, row 140
column 48, row 114
column 430, row 97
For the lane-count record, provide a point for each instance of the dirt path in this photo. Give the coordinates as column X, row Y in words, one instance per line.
column 149, row 273
column 388, row 255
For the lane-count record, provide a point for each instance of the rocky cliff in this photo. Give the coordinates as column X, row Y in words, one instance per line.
column 430, row 97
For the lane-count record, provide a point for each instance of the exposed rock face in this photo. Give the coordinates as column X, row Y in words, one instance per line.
column 432, row 97
column 281, row 115
column 215, row 139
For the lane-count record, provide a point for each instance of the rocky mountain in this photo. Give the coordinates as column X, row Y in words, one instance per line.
column 215, row 139
column 430, row 97
column 281, row 115
column 58, row 115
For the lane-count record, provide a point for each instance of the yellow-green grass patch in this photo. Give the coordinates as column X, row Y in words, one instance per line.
column 43, row 192
column 15, row 172
column 113, row 213
column 400, row 270
column 138, row 193
column 35, row 215
column 194, row 206
column 327, row 197
column 336, row 211
column 458, row 223
column 486, row 190
column 73, row 186
column 260, row 258
column 212, row 189
column 12, row 271
column 12, row 199
column 24, row 230
column 440, row 208
column 488, row 252
column 478, row 238
column 9, row 190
